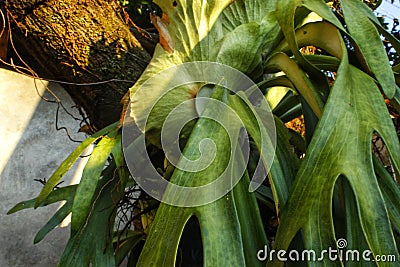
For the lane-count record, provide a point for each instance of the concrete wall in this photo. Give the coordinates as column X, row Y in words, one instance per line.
column 31, row 148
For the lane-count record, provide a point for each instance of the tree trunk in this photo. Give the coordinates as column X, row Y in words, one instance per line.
column 80, row 41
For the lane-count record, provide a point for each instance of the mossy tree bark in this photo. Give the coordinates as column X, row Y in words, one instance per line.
column 80, row 41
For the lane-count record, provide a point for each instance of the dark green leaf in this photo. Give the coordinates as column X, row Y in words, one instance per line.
column 67, row 164
column 57, row 218
column 63, row 193
column 92, row 243
column 82, row 204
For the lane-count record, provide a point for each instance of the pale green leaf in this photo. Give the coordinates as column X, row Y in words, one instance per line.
column 365, row 34
column 192, row 28
column 342, row 146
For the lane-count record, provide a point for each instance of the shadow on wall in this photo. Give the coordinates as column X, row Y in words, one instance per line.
column 31, row 148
